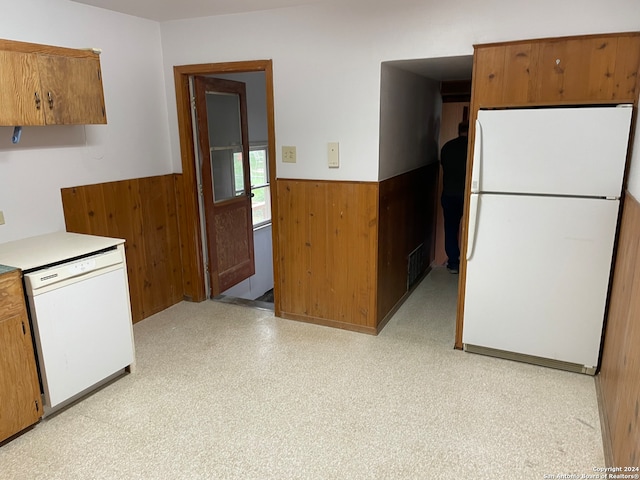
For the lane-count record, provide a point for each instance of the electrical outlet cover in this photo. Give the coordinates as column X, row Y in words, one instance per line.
column 289, row 154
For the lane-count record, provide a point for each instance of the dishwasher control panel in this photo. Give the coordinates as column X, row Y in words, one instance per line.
column 66, row 271
column 82, row 266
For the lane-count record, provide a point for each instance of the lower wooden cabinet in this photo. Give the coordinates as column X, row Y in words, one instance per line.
column 20, row 400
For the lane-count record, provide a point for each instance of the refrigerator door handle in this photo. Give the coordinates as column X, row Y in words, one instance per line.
column 473, row 217
column 477, row 159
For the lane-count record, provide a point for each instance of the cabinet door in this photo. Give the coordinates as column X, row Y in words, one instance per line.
column 20, row 401
column 71, row 90
column 20, row 94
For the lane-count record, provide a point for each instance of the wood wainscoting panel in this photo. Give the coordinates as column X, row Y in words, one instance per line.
column 143, row 212
column 408, row 207
column 328, row 252
column 620, row 370
column 190, row 243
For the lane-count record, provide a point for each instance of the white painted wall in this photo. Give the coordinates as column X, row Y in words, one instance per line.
column 327, row 59
column 410, row 113
column 133, row 144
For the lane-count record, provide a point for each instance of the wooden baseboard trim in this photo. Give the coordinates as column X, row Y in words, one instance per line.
column 604, row 424
column 329, row 323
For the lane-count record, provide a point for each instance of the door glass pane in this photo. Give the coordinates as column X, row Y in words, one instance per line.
column 225, row 140
column 258, row 163
column 238, row 172
column 225, row 177
column 261, row 205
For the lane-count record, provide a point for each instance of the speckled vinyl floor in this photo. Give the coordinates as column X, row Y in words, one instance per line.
column 228, row 392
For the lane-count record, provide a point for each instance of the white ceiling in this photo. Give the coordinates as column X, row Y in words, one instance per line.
column 449, row 68
column 165, row 10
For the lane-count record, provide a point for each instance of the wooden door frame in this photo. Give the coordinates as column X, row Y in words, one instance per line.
column 193, row 264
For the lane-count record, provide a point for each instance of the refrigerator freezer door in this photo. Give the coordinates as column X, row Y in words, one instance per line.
column 537, row 281
column 555, row 151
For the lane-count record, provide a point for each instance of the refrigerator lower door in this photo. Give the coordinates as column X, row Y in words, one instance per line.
column 537, row 281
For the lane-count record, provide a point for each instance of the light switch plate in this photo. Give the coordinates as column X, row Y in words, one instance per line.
column 334, row 154
column 1, row 217
column 289, row 154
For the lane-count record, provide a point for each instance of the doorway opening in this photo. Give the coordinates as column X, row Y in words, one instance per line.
column 430, row 98
column 224, row 161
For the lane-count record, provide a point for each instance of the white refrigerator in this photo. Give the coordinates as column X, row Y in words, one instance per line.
column 545, row 195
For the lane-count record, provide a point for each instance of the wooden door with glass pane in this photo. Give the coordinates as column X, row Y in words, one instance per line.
column 224, row 152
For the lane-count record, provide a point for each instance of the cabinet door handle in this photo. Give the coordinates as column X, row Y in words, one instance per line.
column 37, row 100
column 50, row 100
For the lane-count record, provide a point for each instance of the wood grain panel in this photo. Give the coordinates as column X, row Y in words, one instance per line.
column 72, row 90
column 143, row 212
column 488, row 75
column 577, row 69
column 620, row 371
column 19, row 87
column 408, row 205
column 328, row 252
column 160, row 240
column 294, row 255
column 520, row 68
column 122, row 220
column 625, row 78
column 20, row 404
column 601, row 67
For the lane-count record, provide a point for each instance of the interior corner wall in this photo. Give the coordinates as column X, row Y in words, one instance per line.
column 410, row 113
column 133, row 144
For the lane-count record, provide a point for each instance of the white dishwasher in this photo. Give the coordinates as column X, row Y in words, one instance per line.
column 78, row 301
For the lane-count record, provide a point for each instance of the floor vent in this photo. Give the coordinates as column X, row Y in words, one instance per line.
column 416, row 265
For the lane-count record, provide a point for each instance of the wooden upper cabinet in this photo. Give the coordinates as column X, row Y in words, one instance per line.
column 73, row 90
column 19, row 89
column 20, row 400
column 573, row 70
column 42, row 85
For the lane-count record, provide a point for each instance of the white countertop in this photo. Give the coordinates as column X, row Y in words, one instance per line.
column 34, row 252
